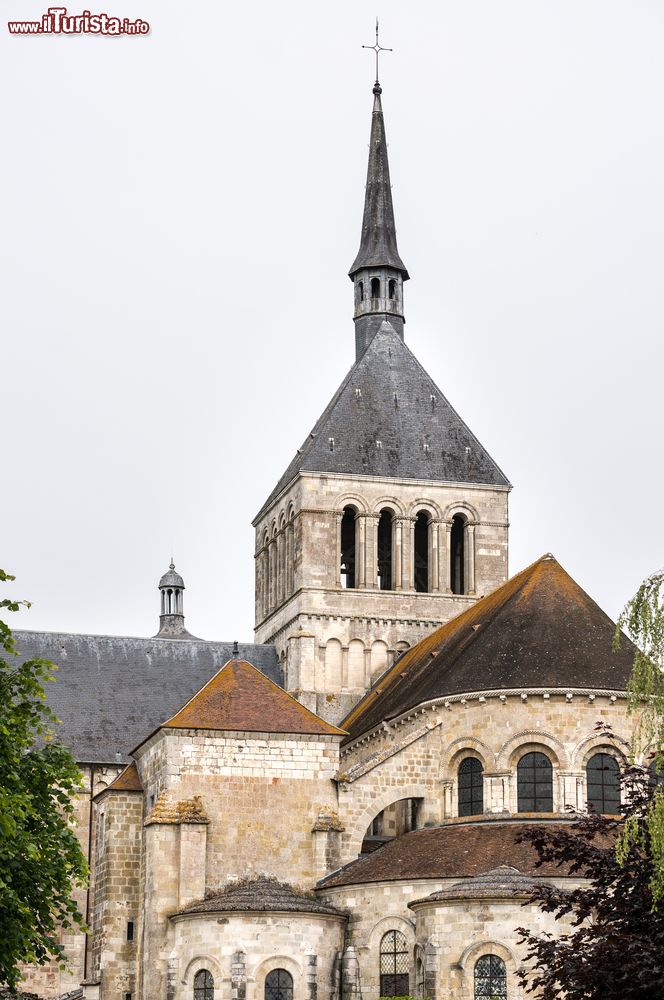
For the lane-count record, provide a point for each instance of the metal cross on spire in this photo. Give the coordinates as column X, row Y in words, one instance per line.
column 377, row 48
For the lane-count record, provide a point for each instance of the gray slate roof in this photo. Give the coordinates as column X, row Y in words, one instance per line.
column 394, row 406
column 378, row 243
column 111, row 692
column 261, row 894
column 501, row 882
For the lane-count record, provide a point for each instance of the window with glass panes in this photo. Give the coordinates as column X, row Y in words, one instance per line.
column 394, row 965
column 203, row 985
column 603, row 778
column 490, row 978
column 279, row 985
column 471, row 791
column 534, row 778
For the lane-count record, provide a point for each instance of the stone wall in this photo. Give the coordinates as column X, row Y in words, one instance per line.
column 262, row 793
column 419, row 755
column 239, row 949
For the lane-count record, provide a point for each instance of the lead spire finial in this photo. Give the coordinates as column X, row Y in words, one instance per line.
column 377, row 47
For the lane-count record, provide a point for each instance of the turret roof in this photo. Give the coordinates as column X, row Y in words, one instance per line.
column 539, row 630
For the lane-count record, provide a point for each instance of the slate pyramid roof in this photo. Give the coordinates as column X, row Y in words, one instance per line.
column 240, row 698
column 539, row 630
column 388, row 397
column 263, row 895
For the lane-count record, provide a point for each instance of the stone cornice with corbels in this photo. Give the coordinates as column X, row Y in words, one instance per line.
column 481, row 697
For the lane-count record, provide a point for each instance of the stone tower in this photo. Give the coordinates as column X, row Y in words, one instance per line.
column 392, row 517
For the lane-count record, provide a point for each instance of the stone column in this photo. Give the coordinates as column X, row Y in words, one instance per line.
column 434, row 564
column 447, row 787
column 311, row 973
column 410, row 560
column 288, row 575
column 360, row 551
column 336, row 576
column 372, row 551
column 496, row 791
column 238, row 976
column 447, row 575
column 470, row 558
column 280, row 566
column 398, row 553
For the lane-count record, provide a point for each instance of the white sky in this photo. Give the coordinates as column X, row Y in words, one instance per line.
column 179, row 212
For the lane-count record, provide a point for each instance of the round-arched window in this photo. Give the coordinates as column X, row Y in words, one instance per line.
column 534, row 776
column 471, row 791
column 394, row 965
column 278, row 985
column 203, row 985
column 490, row 978
column 603, row 777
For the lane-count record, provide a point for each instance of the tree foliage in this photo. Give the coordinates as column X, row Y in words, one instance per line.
column 41, row 862
column 614, row 949
column 643, row 619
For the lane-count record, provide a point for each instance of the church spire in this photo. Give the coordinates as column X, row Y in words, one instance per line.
column 378, row 271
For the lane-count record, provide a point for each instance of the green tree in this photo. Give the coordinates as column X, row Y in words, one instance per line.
column 643, row 619
column 41, row 862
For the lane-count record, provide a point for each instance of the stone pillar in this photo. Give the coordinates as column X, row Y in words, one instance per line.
column 447, row 575
column 238, row 976
column 496, row 791
column 289, row 559
column 311, row 974
column 447, row 788
column 470, row 558
column 398, row 554
column 434, row 582
column 410, row 561
column 302, row 661
column 372, row 551
column 272, row 565
column 350, row 974
column 280, row 567
column 336, row 576
column 193, row 840
column 361, row 551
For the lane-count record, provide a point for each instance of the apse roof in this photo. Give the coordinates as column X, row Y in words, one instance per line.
column 389, row 419
column 538, row 630
column 241, row 698
column 111, row 692
column 263, row 895
column 456, row 850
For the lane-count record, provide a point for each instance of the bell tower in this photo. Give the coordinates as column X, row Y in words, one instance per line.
column 391, row 517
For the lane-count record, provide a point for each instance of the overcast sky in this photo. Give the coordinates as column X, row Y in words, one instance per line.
column 179, row 214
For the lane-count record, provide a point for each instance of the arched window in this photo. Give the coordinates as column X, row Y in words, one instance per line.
column 458, row 554
column 392, row 289
column 603, row 777
column 375, row 288
column 348, row 548
column 385, row 550
column 422, row 553
column 394, row 970
column 360, row 291
column 471, row 790
column 534, row 776
column 490, row 978
column 203, row 985
column 278, row 985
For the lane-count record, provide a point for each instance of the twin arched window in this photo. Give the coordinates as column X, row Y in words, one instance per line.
column 490, row 978
column 203, row 985
column 394, row 965
column 534, row 781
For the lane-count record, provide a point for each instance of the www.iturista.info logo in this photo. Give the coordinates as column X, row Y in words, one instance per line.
column 57, row 21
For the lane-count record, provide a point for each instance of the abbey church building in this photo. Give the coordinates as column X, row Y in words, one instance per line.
column 333, row 810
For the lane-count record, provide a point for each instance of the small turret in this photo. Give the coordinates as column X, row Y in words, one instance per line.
column 171, row 619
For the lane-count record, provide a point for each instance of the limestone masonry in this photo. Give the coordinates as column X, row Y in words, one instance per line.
column 333, row 810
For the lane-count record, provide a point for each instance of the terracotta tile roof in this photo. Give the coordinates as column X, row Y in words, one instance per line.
column 262, row 895
column 538, row 630
column 457, row 850
column 127, row 781
column 240, row 698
